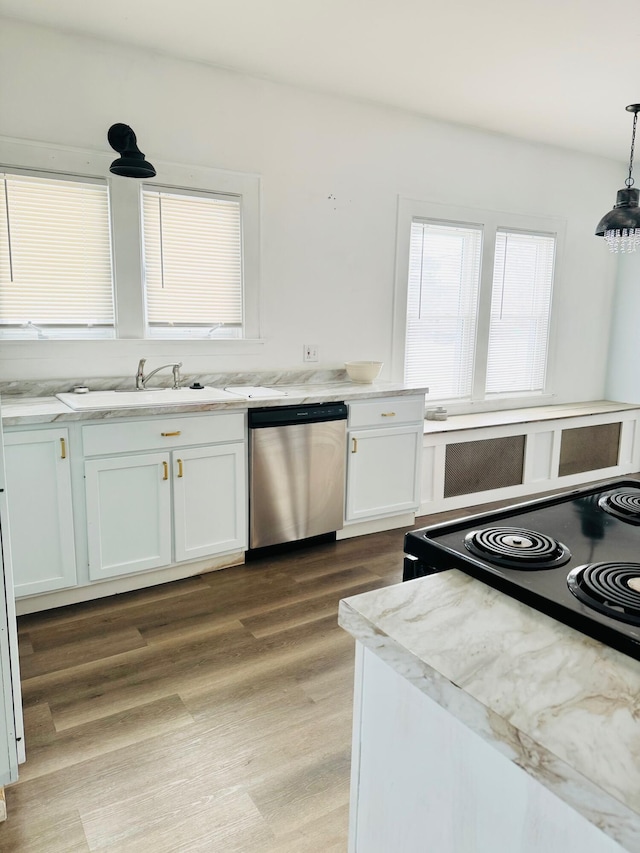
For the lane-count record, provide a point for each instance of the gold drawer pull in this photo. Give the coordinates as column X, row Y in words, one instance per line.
column 180, row 472
column 388, row 414
column 63, row 449
column 165, row 468
column 354, row 448
column 167, row 434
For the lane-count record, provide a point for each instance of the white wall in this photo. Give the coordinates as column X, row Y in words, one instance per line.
column 332, row 171
column 623, row 380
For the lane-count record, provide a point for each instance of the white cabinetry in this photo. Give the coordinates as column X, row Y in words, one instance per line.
column 11, row 720
column 383, row 465
column 469, row 460
column 40, row 510
column 128, row 514
column 209, row 501
column 421, row 780
column 148, row 510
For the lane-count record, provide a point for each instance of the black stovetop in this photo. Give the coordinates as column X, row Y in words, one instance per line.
column 585, row 535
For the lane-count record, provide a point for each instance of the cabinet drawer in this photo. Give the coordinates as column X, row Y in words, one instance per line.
column 161, row 433
column 386, row 412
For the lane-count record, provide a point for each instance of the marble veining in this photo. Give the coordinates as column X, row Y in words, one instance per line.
column 532, row 414
column 19, row 410
column 51, row 387
column 561, row 705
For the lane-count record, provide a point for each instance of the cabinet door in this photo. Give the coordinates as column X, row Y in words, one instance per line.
column 383, row 476
column 209, row 501
column 128, row 514
column 40, row 510
column 8, row 745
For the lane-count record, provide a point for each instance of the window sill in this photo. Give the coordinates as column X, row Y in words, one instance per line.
column 125, row 346
column 532, row 414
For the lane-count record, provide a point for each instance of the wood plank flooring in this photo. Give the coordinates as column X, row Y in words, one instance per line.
column 205, row 715
column 210, row 714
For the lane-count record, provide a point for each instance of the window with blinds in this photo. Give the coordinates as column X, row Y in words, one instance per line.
column 520, row 312
column 474, row 329
column 193, row 267
column 442, row 306
column 55, row 257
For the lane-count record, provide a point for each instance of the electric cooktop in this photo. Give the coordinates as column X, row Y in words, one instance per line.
column 574, row 556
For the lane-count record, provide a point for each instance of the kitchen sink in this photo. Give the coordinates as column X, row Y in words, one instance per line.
column 255, row 392
column 145, row 399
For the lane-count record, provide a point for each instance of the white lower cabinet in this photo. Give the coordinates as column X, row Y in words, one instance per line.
column 128, row 514
column 383, row 464
column 209, row 501
column 150, row 510
column 40, row 510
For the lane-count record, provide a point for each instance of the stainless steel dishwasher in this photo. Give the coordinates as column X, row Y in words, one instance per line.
column 297, row 460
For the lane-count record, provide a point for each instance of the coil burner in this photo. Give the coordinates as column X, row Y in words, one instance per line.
column 517, row 548
column 624, row 504
column 595, row 588
column 611, row 588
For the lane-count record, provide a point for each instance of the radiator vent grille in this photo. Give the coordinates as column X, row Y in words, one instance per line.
column 477, row 466
column 589, row 448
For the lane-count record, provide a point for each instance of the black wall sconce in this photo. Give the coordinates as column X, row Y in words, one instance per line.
column 131, row 162
column 621, row 226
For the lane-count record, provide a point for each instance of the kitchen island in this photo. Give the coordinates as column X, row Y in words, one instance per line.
column 484, row 726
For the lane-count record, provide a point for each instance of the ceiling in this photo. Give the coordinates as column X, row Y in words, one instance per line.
column 556, row 71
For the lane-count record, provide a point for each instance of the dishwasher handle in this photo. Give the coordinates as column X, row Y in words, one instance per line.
column 275, row 416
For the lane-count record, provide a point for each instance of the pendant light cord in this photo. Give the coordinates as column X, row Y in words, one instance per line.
column 630, row 182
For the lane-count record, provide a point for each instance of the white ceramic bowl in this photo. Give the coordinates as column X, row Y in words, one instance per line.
column 363, row 371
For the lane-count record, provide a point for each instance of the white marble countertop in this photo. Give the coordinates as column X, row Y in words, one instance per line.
column 559, row 704
column 17, row 410
column 529, row 415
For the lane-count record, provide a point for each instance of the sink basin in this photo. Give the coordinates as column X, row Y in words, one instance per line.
column 144, row 399
column 257, row 392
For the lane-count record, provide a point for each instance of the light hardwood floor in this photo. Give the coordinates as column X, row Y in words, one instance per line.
column 211, row 714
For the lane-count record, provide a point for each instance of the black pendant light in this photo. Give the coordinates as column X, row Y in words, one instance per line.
column 131, row 163
column 621, row 226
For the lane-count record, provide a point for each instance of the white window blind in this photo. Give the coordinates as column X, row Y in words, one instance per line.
column 520, row 312
column 192, row 260
column 442, row 301
column 55, row 256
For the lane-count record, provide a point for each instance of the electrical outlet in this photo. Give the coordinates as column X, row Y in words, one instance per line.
column 310, row 352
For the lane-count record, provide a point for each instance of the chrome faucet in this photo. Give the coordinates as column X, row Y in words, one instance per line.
column 141, row 379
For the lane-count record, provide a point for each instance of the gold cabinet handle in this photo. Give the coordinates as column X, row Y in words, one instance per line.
column 63, row 449
column 165, row 468
column 180, row 471
column 167, row 434
column 388, row 414
column 354, row 445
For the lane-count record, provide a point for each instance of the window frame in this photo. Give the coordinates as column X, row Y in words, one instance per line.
column 192, row 329
column 125, row 203
column 55, row 331
column 490, row 221
column 513, row 232
column 469, row 293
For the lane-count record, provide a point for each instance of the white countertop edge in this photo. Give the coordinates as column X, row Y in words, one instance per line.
column 598, row 806
column 17, row 411
column 534, row 414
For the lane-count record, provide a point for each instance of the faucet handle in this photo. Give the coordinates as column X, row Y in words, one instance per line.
column 140, row 374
